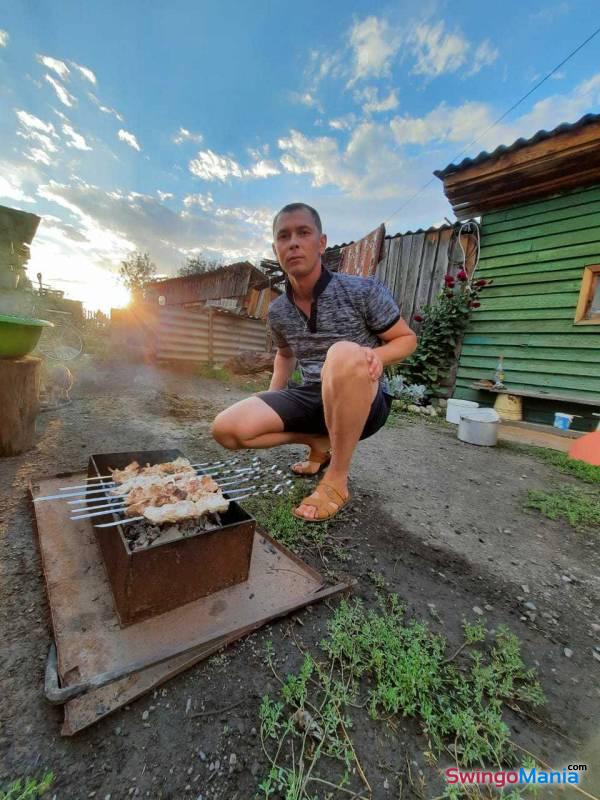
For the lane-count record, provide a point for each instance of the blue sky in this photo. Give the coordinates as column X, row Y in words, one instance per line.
column 181, row 128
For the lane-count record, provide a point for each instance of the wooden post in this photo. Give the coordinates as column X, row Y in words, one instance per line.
column 211, row 337
column 19, row 403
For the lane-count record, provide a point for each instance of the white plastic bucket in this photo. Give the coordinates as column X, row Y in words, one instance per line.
column 479, row 426
column 563, row 421
column 455, row 407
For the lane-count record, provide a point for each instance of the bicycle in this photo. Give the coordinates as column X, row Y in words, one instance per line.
column 61, row 342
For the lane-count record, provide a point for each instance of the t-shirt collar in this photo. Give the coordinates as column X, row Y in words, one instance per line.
column 319, row 287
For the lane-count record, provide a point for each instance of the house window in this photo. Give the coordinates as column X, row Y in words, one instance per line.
column 588, row 306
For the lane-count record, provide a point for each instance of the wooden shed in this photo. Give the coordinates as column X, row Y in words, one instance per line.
column 240, row 288
column 539, row 203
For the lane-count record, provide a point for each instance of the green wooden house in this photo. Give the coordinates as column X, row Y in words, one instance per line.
column 539, row 204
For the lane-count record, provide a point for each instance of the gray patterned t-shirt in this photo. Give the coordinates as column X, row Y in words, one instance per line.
column 345, row 308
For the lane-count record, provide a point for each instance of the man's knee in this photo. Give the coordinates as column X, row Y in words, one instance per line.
column 346, row 359
column 224, row 433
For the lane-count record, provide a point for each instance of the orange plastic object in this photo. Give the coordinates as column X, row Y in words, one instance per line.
column 587, row 448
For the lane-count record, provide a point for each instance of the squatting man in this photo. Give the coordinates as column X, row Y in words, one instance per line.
column 342, row 330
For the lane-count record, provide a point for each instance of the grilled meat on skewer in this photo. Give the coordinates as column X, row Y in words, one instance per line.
column 133, row 470
column 156, row 495
column 185, row 509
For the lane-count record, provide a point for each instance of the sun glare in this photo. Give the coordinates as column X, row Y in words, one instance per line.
column 79, row 278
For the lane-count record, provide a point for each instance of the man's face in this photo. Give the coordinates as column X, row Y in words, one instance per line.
column 298, row 244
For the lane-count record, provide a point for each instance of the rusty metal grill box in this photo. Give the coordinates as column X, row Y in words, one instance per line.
column 166, row 575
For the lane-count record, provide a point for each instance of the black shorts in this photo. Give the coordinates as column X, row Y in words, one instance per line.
column 301, row 409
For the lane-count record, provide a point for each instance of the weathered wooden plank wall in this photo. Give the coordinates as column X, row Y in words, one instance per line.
column 413, row 266
column 536, row 253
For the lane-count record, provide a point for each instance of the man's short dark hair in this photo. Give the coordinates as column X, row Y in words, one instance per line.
column 291, row 207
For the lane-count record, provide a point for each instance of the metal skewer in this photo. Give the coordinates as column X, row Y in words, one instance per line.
column 84, row 499
column 109, row 502
column 104, row 477
column 108, row 507
column 277, row 489
column 104, row 489
column 123, row 506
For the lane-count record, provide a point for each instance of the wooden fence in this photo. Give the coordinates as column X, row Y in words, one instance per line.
column 413, row 266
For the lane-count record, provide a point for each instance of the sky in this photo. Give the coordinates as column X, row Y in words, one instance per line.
column 181, row 128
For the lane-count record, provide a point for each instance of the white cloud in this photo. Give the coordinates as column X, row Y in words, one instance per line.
column 204, row 201
column 345, row 123
column 4, row 37
column 113, row 223
column 443, row 123
column 162, row 196
column 12, row 180
column 38, row 156
column 306, row 99
column 75, row 139
column 485, row 55
column 436, row 51
column 63, row 95
column 262, row 169
column 373, row 103
column 319, row 157
column 183, row 135
column 320, row 66
column 549, row 14
column 108, row 110
column 374, row 44
column 41, row 135
column 129, row 138
column 85, row 72
column 211, row 166
column 55, row 65
column 35, row 123
column 464, row 123
column 104, row 109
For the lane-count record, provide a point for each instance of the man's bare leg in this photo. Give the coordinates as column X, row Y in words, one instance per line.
column 348, row 393
column 252, row 424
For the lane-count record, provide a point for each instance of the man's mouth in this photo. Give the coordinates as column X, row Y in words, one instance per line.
column 292, row 259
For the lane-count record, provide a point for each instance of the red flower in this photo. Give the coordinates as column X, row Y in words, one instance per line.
column 448, row 280
column 481, row 283
column 462, row 276
column 475, row 305
column 418, row 318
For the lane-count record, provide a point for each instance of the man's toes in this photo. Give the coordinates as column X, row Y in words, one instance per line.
column 308, row 512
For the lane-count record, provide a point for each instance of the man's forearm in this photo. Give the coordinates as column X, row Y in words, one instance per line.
column 283, row 367
column 397, row 350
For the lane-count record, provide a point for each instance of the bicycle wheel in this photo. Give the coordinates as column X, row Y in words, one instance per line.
column 61, row 343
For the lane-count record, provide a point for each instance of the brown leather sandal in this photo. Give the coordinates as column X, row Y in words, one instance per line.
column 316, row 457
column 326, row 500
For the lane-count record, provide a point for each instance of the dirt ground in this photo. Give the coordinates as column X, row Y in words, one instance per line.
column 441, row 522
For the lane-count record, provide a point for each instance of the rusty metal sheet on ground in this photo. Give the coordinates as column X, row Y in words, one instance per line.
column 90, row 640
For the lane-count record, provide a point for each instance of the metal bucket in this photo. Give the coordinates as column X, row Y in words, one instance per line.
column 479, row 427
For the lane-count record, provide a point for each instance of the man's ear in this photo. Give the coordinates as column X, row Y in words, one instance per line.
column 322, row 243
column 274, row 251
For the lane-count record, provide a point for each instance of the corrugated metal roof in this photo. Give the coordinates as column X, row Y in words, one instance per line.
column 396, row 235
column 540, row 136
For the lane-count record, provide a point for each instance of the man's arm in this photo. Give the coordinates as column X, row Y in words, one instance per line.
column 283, row 367
column 399, row 342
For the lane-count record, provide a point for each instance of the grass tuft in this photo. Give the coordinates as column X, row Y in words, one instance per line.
column 27, row 788
column 580, row 506
column 392, row 667
column 274, row 514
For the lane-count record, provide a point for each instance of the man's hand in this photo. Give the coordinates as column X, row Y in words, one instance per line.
column 374, row 363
